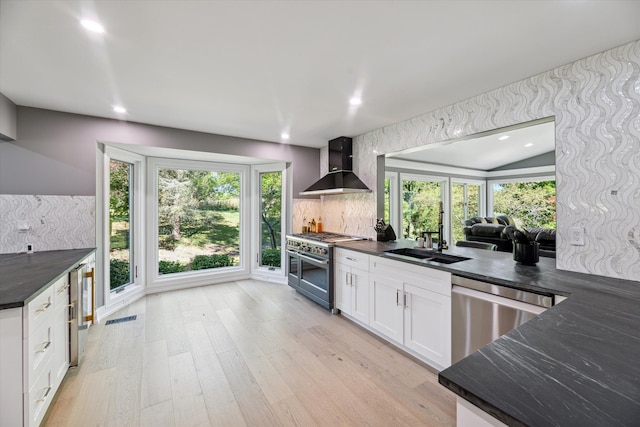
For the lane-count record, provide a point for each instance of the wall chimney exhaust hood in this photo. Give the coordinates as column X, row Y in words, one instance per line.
column 340, row 179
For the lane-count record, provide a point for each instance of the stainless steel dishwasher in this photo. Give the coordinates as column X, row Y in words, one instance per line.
column 482, row 312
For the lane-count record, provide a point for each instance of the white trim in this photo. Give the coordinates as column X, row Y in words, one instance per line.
column 156, row 282
column 394, row 199
column 452, row 170
column 124, row 301
column 137, row 249
column 524, row 171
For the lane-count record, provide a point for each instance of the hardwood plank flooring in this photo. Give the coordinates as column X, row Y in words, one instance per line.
column 245, row 353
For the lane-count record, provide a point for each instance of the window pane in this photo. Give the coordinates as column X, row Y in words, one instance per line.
column 120, row 260
column 465, row 203
column 420, row 207
column 271, row 215
column 530, row 204
column 198, row 220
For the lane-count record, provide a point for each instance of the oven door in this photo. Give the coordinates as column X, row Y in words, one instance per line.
column 315, row 280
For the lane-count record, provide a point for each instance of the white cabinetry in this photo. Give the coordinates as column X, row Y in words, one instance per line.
column 386, row 303
column 411, row 305
column 34, row 355
column 352, row 284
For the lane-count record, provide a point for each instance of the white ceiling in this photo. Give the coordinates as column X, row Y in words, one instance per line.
column 254, row 69
column 486, row 151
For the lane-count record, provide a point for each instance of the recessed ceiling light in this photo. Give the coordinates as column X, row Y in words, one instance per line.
column 530, row 144
column 94, row 26
column 503, row 137
column 284, row 136
column 119, row 109
column 355, row 101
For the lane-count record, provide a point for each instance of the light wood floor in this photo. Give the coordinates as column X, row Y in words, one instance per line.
column 244, row 353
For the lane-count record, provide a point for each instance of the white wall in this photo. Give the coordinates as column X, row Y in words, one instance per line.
column 596, row 104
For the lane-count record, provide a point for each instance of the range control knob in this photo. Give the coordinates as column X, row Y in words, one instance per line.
column 324, row 251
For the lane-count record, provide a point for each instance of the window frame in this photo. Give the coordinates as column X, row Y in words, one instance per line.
column 444, row 196
column 492, row 181
column 263, row 271
column 137, row 250
column 159, row 282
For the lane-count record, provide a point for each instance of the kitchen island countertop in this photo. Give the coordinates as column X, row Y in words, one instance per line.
column 575, row 364
column 24, row 276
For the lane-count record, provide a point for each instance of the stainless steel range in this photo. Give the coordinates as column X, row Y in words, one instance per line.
column 310, row 264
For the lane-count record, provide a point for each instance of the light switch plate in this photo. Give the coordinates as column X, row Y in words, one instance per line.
column 577, row 236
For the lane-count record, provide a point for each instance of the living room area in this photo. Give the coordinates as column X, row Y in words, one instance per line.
column 496, row 187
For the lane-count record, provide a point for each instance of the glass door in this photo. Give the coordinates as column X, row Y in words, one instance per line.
column 466, row 203
column 270, row 233
column 422, row 198
column 121, row 217
column 268, row 225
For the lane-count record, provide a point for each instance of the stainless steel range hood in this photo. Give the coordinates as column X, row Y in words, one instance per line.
column 340, row 179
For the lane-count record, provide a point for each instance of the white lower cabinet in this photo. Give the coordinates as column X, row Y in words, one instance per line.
column 427, row 324
column 352, row 284
column 386, row 306
column 410, row 305
column 34, row 355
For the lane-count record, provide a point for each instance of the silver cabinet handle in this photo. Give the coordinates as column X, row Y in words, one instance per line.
column 405, row 300
column 64, row 288
column 43, row 349
column 46, row 393
column 397, row 297
column 44, row 307
column 350, row 259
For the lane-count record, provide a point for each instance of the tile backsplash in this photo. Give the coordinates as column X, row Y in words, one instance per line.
column 596, row 104
column 51, row 222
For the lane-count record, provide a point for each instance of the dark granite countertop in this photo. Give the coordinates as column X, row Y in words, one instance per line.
column 25, row 276
column 577, row 364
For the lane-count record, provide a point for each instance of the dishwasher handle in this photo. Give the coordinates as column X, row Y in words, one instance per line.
column 504, row 291
column 502, row 301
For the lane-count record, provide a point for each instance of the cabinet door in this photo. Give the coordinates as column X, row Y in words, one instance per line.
column 342, row 288
column 427, row 328
column 360, row 294
column 60, row 344
column 385, row 307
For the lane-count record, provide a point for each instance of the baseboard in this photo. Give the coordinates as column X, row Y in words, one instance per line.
column 105, row 311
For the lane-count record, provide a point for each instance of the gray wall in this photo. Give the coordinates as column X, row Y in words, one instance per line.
column 546, row 159
column 8, row 131
column 56, row 152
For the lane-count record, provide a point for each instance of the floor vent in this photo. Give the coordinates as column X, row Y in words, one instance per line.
column 122, row 319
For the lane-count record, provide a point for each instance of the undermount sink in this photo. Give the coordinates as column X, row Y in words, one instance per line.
column 426, row 255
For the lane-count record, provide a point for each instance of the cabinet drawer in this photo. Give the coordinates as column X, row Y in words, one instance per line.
column 38, row 311
column 39, row 349
column 61, row 291
column 39, row 397
column 352, row 258
column 427, row 278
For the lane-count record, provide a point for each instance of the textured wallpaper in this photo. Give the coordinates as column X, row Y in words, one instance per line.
column 55, row 222
column 596, row 104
